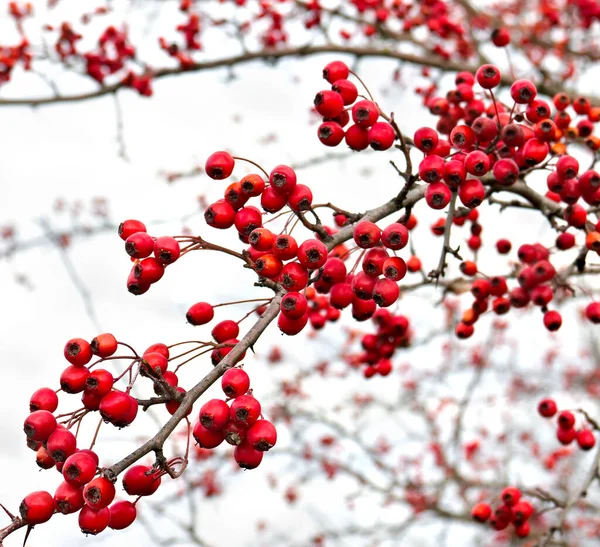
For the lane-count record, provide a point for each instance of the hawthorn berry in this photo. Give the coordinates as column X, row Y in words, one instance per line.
column 219, row 165
column 37, row 507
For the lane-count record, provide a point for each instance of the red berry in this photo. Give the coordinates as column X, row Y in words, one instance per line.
column 235, row 382
column 547, row 408
column 130, row 227
column 141, row 480
column 220, row 215
column 329, row 103
column 488, row 76
column 336, row 70
column 61, row 444
column 246, row 456
column 214, row 414
column 481, row 512
column 122, row 515
column 166, row 250
column 365, row 113
column 586, row 439
column 68, row 498
column 219, row 165
column 93, row 522
column 381, row 136
column 245, row 410
column 37, row 508
column 139, row 245
column 262, row 435
column 39, row 425
column 43, row 399
column 104, row 345
column 118, row 408
column 79, row 469
column 208, row 438
column 200, row 314
column 78, row 352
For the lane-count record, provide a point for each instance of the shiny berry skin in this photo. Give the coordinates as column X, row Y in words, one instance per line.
column 78, row 352
column 312, row 254
column 166, row 250
column 341, row 295
column 283, row 179
column 207, row 438
column 235, row 382
column 477, row 163
column 506, row 171
column 214, row 414
column 61, row 444
column 148, row 271
column 252, row 185
column 426, row 139
column 395, row 236
column 225, row 330
column 547, row 408
column 385, row 292
column 381, row 136
column 99, row 382
column 357, row 138
column 104, row 345
column 462, row 136
column 431, row 169
column 37, row 508
column 200, row 314
column 122, row 515
column 488, row 76
column 93, row 521
column 68, row 498
column 586, row 439
column 141, row 480
column 394, row 268
column 118, row 408
column 300, row 198
column 39, row 425
column 219, row 165
column 262, row 435
column 43, row 399
column 346, row 89
column 245, row 410
column 139, row 245
column 365, row 113
column 523, row 91
column 294, row 276
column 331, row 133
column 220, row 215
column 500, row 37
column 366, row 234
column 130, row 227
column 79, row 469
column 158, row 348
column 437, row 195
column 247, row 457
column 336, row 70
column 294, row 305
column 247, row 219
column 567, row 167
column 268, row 265
column 481, row 512
column 329, row 103
column 471, row 193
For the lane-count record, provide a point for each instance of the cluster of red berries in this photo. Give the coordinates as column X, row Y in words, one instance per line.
column 566, row 432
column 513, row 511
column 139, row 245
column 537, row 281
column 56, row 446
column 534, row 279
column 393, row 332
column 85, row 489
column 190, row 30
column 239, row 423
column 338, row 105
